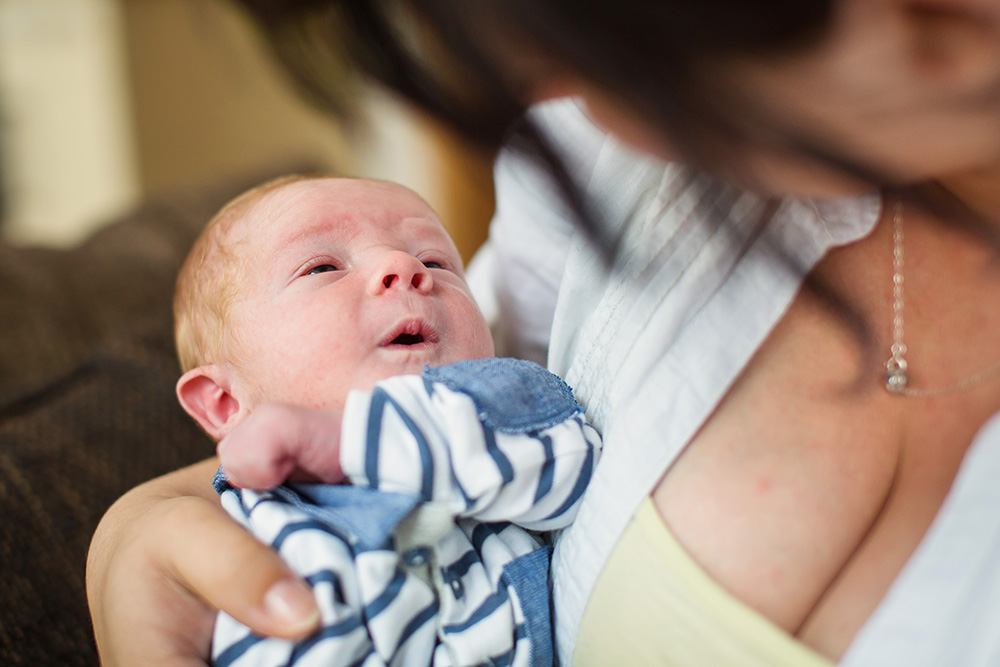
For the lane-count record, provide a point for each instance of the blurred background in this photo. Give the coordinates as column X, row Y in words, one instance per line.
column 107, row 103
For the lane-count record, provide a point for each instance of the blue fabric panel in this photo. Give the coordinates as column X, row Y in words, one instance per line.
column 529, row 576
column 365, row 518
column 512, row 396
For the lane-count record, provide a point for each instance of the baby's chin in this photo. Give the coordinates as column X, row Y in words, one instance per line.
column 412, row 363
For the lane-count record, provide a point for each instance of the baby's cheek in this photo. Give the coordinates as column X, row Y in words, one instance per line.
column 479, row 337
column 479, row 331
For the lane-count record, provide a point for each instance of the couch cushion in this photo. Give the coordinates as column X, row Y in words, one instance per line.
column 87, row 410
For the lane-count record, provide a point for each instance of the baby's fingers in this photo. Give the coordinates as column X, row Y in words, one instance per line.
column 278, row 442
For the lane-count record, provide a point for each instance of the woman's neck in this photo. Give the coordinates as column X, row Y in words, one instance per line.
column 979, row 191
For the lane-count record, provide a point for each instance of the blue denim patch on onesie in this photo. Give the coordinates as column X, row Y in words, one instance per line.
column 529, row 575
column 362, row 517
column 512, row 395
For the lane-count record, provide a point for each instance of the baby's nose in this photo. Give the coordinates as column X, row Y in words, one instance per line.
column 400, row 271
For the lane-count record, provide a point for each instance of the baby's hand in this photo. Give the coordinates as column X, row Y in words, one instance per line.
column 278, row 442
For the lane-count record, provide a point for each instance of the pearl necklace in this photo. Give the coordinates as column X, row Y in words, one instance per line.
column 897, row 380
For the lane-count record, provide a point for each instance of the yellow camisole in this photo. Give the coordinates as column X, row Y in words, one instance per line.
column 654, row 605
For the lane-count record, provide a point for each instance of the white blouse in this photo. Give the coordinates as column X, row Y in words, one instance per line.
column 652, row 344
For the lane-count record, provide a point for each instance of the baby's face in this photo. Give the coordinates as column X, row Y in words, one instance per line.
column 348, row 282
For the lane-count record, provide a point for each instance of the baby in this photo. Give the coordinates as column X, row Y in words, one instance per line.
column 329, row 340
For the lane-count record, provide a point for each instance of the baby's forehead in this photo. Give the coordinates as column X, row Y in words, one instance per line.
column 340, row 205
column 347, row 192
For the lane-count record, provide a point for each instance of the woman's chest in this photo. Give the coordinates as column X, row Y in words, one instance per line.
column 809, row 486
column 803, row 487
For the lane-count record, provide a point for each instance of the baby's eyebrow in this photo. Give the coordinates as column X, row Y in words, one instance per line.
column 291, row 250
column 303, row 236
column 310, row 230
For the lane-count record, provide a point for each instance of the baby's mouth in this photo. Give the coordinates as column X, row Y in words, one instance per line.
column 407, row 339
column 410, row 333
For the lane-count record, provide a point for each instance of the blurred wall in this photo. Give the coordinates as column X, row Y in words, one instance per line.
column 209, row 104
column 191, row 98
column 67, row 158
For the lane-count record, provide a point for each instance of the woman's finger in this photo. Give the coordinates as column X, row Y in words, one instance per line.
column 164, row 557
column 207, row 553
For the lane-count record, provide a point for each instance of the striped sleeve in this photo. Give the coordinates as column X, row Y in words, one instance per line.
column 423, row 438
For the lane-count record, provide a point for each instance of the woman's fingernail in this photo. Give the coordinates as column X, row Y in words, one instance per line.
column 291, row 603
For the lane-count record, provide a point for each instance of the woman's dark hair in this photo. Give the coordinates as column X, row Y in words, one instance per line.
column 458, row 59
column 470, row 63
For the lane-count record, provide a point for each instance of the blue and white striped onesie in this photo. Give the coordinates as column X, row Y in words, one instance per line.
column 419, row 560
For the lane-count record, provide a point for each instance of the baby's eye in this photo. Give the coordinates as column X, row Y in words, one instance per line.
column 433, row 265
column 321, row 268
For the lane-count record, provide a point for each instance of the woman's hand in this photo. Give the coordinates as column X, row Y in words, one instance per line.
column 165, row 557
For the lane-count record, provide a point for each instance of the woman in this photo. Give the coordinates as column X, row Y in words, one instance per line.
column 795, row 395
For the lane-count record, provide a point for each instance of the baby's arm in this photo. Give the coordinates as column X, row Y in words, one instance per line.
column 496, row 446
column 278, row 442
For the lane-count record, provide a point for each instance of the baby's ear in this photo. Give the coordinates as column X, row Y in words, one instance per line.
column 205, row 393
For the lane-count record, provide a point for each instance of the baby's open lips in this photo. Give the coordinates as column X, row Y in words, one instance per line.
column 407, row 339
column 410, row 333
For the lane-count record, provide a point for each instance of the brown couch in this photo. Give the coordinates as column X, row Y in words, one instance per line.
column 87, row 410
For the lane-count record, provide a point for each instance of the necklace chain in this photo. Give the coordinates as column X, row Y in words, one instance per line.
column 897, row 380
